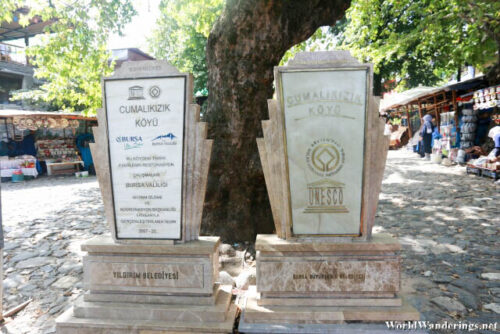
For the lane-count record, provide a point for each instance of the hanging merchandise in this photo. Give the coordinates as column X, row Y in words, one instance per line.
column 30, row 124
column 468, row 128
column 64, row 123
column 487, row 98
column 52, row 123
column 21, row 126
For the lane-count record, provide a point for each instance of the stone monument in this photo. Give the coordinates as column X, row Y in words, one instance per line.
column 154, row 274
column 323, row 155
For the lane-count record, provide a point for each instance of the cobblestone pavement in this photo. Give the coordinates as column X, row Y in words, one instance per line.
column 448, row 223
column 45, row 220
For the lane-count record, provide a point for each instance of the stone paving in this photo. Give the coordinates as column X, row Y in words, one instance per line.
column 448, row 223
column 44, row 221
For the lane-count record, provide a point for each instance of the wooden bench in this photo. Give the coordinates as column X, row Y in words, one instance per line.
column 75, row 167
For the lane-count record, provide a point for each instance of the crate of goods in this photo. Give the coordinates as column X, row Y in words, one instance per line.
column 17, row 176
column 490, row 173
column 473, row 170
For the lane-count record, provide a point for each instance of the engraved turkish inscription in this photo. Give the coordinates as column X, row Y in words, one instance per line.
column 329, row 276
column 146, row 144
column 145, row 274
column 324, row 113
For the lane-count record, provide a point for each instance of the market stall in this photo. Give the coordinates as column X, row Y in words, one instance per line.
column 462, row 113
column 44, row 142
column 484, row 154
column 25, row 163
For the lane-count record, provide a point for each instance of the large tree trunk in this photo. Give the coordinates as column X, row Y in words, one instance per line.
column 247, row 41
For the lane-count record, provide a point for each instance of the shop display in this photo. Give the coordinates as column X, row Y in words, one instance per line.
column 48, row 138
column 487, row 98
column 33, row 123
column 448, row 132
column 469, row 125
column 24, row 164
column 57, row 150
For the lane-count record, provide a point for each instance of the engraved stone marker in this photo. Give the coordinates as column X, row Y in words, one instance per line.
column 154, row 273
column 325, row 116
column 323, row 156
column 146, row 140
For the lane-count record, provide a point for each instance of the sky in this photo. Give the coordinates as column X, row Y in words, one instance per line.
column 136, row 32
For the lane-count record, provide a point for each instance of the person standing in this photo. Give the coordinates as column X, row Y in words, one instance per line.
column 426, row 134
column 388, row 127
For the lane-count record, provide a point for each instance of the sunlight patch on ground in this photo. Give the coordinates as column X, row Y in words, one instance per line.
column 425, row 245
column 398, row 178
column 378, row 229
column 471, row 212
column 445, row 216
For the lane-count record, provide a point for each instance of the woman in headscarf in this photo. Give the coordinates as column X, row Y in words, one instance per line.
column 426, row 134
column 494, row 134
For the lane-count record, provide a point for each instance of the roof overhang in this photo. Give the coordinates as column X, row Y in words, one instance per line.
column 33, row 113
column 13, row 30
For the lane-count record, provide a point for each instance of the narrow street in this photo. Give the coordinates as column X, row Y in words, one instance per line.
column 447, row 221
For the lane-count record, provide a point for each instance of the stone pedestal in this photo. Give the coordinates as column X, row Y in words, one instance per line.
column 321, row 282
column 150, row 289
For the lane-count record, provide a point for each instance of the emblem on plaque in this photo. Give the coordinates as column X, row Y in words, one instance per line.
column 136, row 93
column 326, row 196
column 154, row 91
column 325, row 157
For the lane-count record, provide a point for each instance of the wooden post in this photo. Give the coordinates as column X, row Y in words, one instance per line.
column 436, row 113
column 455, row 108
column 410, row 132
column 26, row 43
column 420, row 109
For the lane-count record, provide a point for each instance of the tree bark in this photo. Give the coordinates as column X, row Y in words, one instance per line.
column 247, row 41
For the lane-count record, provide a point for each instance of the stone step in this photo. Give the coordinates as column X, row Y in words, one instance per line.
column 152, row 299
column 159, row 312
column 67, row 323
column 330, row 301
column 295, row 314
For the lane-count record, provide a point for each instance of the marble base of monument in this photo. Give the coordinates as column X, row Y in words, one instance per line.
column 327, row 282
column 150, row 289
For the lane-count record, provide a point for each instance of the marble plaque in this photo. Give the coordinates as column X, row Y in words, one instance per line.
column 145, row 120
column 325, row 116
column 341, row 275
column 120, row 275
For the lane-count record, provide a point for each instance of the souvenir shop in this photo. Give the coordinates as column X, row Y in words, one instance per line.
column 34, row 143
column 465, row 115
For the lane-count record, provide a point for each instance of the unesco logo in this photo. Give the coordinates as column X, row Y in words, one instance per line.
column 154, row 92
column 325, row 157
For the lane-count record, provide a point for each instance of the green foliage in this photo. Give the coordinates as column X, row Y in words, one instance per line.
column 322, row 39
column 7, row 7
column 181, row 36
column 72, row 56
column 422, row 42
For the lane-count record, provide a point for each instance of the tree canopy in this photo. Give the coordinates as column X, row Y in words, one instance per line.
column 72, row 56
column 181, row 36
column 422, row 42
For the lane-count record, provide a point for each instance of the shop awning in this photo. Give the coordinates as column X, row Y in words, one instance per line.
column 398, row 99
column 395, row 100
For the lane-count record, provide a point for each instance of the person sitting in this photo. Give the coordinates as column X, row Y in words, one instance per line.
column 494, row 155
